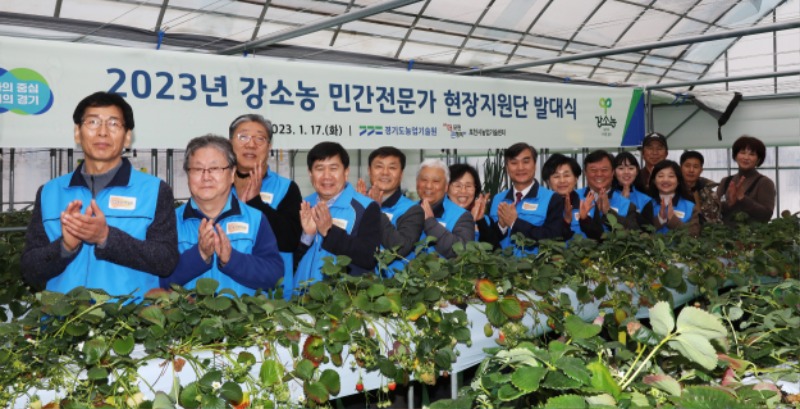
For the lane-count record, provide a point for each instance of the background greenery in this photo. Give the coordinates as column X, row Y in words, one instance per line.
column 81, row 344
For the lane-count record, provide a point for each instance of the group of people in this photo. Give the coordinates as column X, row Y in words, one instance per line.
column 108, row 226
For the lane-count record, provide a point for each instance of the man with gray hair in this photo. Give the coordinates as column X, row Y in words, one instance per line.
column 219, row 236
column 451, row 224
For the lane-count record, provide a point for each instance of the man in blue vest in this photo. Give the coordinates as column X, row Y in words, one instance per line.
column 401, row 218
column 272, row 194
column 219, row 236
column 599, row 199
column 450, row 223
column 527, row 208
column 336, row 220
column 105, row 225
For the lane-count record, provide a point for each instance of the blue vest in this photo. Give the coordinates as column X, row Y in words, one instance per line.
column 239, row 222
column 683, row 210
column 273, row 190
column 128, row 203
column 638, row 199
column 532, row 208
column 451, row 212
column 618, row 203
column 345, row 215
column 394, row 212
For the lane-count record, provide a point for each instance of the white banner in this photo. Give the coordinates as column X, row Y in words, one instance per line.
column 178, row 95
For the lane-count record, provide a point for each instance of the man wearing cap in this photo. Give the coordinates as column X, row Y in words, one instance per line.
column 654, row 150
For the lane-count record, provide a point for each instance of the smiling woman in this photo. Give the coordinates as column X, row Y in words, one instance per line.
column 748, row 191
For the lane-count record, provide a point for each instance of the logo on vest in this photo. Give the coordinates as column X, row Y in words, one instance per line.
column 237, row 227
column 340, row 223
column 122, row 203
column 614, row 209
column 443, row 224
column 679, row 213
column 530, row 206
column 389, row 215
column 266, row 197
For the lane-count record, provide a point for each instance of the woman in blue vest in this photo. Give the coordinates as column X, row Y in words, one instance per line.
column 560, row 173
column 672, row 206
column 626, row 180
column 277, row 197
column 464, row 190
column 219, row 236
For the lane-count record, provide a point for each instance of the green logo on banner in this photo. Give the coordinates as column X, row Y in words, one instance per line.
column 605, row 103
column 24, row 91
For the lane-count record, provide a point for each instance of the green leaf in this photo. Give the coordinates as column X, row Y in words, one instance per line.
column 566, row 401
column 511, row 308
column 305, row 369
column 559, row 381
column 206, row 382
column 601, row 400
column 206, row 286
column 271, row 372
column 508, row 392
column 578, row 329
column 163, row 401
column 382, row 305
column 123, row 346
column 330, row 379
column 444, row 358
column 213, row 402
column 666, row 383
column 495, row 315
column 320, row 291
column 232, row 392
column 673, row 277
column 154, row 315
column 527, row 378
column 735, row 313
column 696, row 348
column 78, row 329
column 96, row 373
column 574, row 368
column 315, row 391
column 93, row 350
column 645, row 336
column 376, row 290
column 189, row 397
column 217, row 304
column 245, row 358
column 661, row 319
column 431, row 294
column 693, row 320
column 387, row 367
column 602, row 380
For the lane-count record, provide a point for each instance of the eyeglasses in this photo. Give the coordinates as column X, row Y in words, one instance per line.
column 245, row 138
column 113, row 124
column 199, row 172
column 464, row 187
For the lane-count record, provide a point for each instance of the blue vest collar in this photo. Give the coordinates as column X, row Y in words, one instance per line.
column 231, row 209
column 121, row 178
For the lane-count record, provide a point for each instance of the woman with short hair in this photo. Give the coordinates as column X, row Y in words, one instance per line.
column 748, row 191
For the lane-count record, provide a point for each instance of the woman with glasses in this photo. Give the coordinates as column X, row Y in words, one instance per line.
column 465, row 191
column 219, row 236
column 274, row 195
column 748, row 191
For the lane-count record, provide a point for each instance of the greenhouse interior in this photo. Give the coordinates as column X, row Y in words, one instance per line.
column 713, row 321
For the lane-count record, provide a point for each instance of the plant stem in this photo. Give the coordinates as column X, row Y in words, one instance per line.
column 641, row 366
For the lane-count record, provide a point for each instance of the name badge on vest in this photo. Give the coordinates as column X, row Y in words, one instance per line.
column 237, row 227
column 122, row 203
column 531, row 207
column 389, row 215
column 266, row 197
column 340, row 223
column 679, row 213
